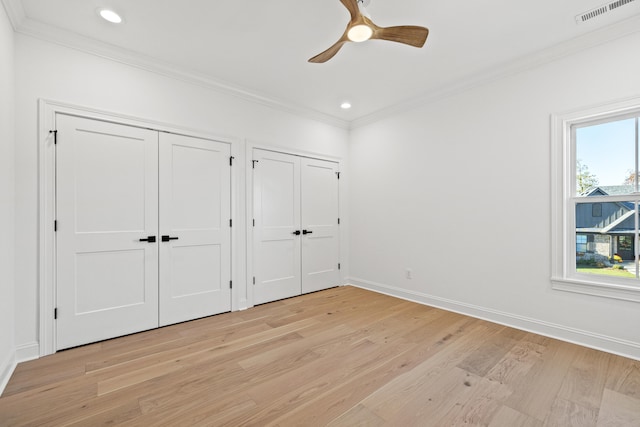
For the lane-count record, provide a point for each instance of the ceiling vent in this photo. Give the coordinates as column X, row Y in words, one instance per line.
column 598, row 11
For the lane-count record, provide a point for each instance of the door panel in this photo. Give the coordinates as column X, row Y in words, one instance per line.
column 195, row 208
column 106, row 202
column 104, row 286
column 277, row 216
column 320, row 248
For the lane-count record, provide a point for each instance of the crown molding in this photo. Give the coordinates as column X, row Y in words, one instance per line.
column 15, row 12
column 507, row 69
column 39, row 30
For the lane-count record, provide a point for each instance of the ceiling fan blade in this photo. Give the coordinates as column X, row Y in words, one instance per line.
column 407, row 34
column 329, row 53
column 352, row 7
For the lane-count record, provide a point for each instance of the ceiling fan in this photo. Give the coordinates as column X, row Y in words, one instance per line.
column 362, row 28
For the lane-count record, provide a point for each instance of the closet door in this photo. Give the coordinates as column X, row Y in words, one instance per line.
column 320, row 228
column 276, row 246
column 296, row 232
column 107, row 223
column 195, row 233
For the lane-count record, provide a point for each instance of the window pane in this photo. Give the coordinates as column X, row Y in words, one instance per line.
column 605, row 158
column 605, row 243
column 581, row 244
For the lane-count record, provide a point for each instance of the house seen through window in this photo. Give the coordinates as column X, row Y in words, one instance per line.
column 605, row 199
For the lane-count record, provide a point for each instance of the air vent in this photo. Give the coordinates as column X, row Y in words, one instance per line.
column 594, row 13
column 617, row 4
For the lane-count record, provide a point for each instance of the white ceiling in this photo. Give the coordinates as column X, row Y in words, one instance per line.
column 259, row 48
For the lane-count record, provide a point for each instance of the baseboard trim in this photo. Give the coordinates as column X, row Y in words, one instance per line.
column 26, row 352
column 6, row 370
column 575, row 336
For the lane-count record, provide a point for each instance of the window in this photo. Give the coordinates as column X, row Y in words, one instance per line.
column 581, row 244
column 596, row 200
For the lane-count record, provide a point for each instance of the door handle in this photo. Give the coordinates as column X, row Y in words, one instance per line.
column 297, row 232
column 166, row 238
column 307, row 232
column 150, row 239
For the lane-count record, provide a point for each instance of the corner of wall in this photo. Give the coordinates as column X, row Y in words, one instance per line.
column 6, row 370
column 7, row 197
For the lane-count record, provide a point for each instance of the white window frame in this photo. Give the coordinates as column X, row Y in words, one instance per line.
column 564, row 276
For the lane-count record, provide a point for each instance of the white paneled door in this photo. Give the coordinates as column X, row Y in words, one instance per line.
column 143, row 233
column 195, row 238
column 320, row 227
column 276, row 203
column 295, row 235
column 107, row 205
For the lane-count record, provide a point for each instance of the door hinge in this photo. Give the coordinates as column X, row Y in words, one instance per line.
column 338, row 175
column 254, row 280
column 338, row 266
column 55, row 225
column 230, row 223
column 55, row 136
column 55, row 313
column 338, row 221
column 231, row 160
column 254, row 222
column 230, row 284
column 253, row 166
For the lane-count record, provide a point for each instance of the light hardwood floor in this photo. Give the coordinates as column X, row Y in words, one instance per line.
column 341, row 357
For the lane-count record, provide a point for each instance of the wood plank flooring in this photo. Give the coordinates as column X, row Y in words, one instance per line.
column 341, row 357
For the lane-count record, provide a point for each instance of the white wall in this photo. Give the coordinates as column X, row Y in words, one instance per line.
column 45, row 70
column 458, row 191
column 7, row 201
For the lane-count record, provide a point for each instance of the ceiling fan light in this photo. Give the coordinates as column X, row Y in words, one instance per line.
column 360, row 33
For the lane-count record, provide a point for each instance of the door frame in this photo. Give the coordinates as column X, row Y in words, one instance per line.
column 342, row 251
column 47, row 110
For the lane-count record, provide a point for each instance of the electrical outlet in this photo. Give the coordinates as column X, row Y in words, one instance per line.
column 409, row 273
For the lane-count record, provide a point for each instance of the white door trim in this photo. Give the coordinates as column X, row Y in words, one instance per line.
column 249, row 146
column 47, row 110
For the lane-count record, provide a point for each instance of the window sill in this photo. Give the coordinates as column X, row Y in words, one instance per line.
column 606, row 290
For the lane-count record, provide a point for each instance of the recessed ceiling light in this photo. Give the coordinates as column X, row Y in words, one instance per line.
column 110, row 16
column 345, row 105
